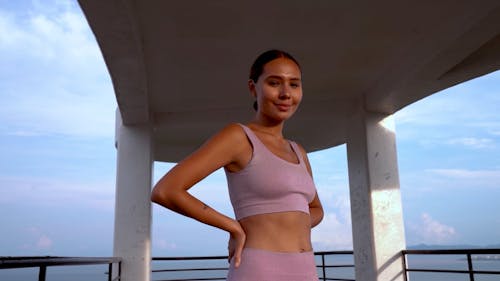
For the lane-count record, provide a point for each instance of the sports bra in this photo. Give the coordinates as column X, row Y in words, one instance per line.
column 268, row 183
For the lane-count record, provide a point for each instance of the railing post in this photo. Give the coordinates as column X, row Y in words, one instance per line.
column 323, row 265
column 110, row 271
column 42, row 273
column 405, row 274
column 471, row 270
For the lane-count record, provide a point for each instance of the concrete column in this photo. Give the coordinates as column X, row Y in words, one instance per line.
column 377, row 219
column 132, row 235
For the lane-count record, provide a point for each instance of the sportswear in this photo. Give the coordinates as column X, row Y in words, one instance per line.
column 268, row 183
column 263, row 265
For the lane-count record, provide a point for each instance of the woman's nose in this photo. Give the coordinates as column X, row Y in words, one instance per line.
column 285, row 92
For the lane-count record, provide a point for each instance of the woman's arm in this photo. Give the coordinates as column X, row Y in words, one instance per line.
column 225, row 148
column 315, row 207
column 315, row 211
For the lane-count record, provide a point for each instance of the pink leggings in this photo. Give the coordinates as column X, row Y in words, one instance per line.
column 262, row 265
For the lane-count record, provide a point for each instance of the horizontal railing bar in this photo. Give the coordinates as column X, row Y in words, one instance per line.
column 486, row 272
column 452, row 252
column 333, row 253
column 201, row 258
column 453, row 271
column 336, row 279
column 471, row 255
column 18, row 262
column 225, row 257
column 438, row 270
column 194, row 279
column 189, row 258
column 190, row 269
column 334, row 266
column 225, row 268
column 15, row 262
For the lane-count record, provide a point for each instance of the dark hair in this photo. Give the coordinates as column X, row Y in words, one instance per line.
column 260, row 62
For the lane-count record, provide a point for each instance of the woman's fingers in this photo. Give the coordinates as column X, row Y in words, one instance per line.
column 230, row 253
column 237, row 253
column 236, row 244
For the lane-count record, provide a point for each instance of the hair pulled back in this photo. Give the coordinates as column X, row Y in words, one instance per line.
column 259, row 63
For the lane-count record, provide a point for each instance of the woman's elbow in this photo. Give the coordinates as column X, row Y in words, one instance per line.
column 162, row 196
column 156, row 195
column 321, row 215
column 316, row 216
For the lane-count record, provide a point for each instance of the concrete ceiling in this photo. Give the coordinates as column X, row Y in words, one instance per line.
column 183, row 65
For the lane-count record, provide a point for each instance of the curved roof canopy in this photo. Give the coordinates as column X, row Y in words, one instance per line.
column 182, row 66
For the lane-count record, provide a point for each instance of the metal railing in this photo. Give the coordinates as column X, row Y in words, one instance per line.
column 332, row 265
column 43, row 262
column 336, row 265
column 458, row 267
column 215, row 267
column 204, row 267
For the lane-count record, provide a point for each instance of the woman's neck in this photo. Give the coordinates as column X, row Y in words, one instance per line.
column 268, row 127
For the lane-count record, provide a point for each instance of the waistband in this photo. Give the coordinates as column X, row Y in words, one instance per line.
column 265, row 265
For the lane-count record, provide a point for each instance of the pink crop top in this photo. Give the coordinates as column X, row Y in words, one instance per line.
column 269, row 184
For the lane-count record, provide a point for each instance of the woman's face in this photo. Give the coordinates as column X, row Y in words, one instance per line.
column 278, row 90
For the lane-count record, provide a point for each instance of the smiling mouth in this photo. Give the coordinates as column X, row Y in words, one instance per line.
column 283, row 107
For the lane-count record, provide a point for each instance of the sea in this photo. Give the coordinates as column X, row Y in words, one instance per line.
column 99, row 272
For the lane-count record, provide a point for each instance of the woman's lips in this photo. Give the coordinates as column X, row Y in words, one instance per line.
column 283, row 107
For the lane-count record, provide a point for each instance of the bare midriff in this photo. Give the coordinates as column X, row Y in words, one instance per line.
column 279, row 232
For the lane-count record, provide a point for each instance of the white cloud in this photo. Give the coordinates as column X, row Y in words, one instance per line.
column 449, row 140
column 44, row 243
column 60, row 36
column 459, row 179
column 473, row 142
column 9, row 34
column 490, row 175
column 33, row 230
column 334, row 233
column 490, row 125
column 431, row 231
column 162, row 244
column 36, row 240
column 21, row 133
column 425, row 111
column 57, row 82
column 468, row 107
column 56, row 192
column 61, row 113
column 473, row 102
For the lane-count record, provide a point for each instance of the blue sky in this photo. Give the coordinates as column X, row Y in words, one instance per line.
column 57, row 158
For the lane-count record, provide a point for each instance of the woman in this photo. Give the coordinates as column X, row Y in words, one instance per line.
column 269, row 178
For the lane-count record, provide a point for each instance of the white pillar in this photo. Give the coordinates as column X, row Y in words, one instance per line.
column 132, row 235
column 377, row 219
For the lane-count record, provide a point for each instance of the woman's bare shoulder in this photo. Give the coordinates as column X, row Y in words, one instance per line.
column 229, row 141
column 238, row 148
column 232, row 132
column 224, row 148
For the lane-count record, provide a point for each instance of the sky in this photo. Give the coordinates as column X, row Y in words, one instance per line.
column 58, row 161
